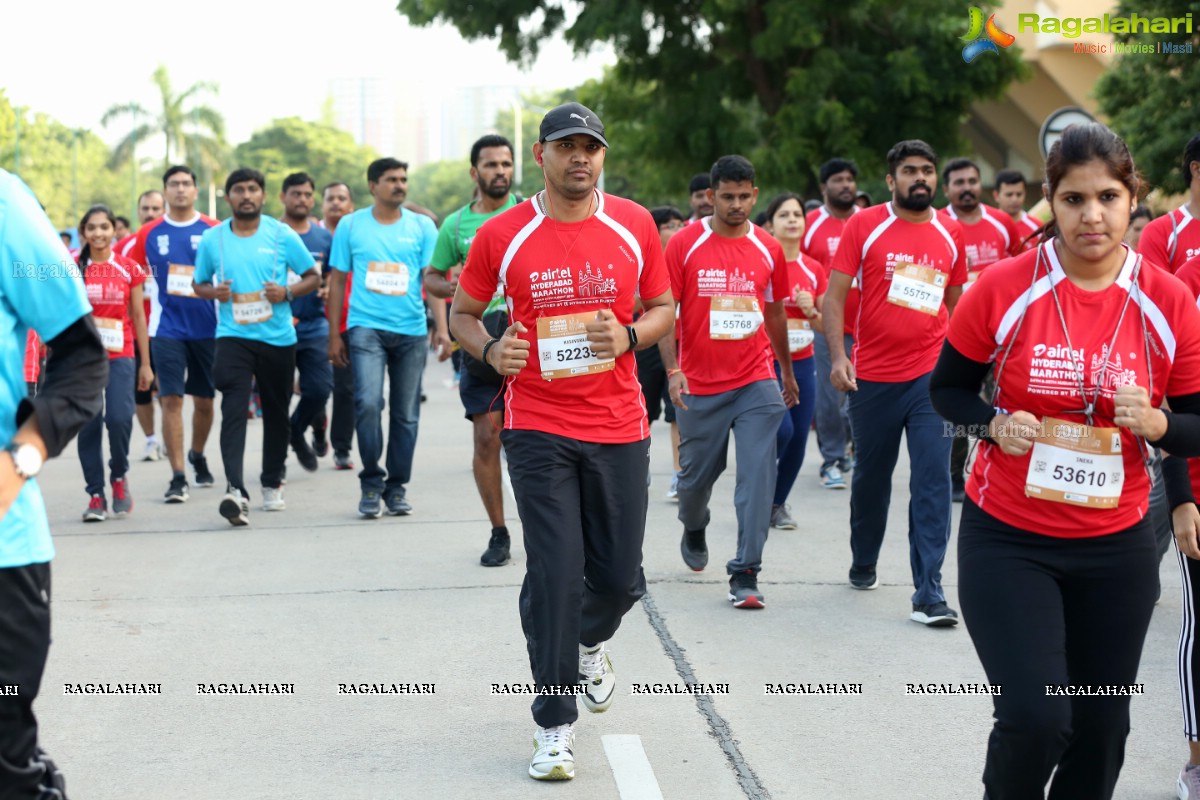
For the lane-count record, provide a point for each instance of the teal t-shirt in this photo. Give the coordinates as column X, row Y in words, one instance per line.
column 455, row 237
column 251, row 261
column 39, row 289
column 385, row 263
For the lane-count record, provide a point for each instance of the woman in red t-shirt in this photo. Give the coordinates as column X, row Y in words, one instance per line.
column 1058, row 569
column 114, row 288
column 807, row 283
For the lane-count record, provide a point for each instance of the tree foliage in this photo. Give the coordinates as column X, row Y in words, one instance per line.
column 192, row 133
column 442, row 186
column 67, row 169
column 1153, row 100
column 788, row 83
column 293, row 145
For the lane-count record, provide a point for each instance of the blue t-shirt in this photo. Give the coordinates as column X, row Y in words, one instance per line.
column 39, row 289
column 385, row 263
column 309, row 310
column 249, row 262
column 158, row 246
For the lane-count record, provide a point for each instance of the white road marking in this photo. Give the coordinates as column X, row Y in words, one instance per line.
column 630, row 767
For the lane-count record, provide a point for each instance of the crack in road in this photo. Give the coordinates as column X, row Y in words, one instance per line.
column 718, row 726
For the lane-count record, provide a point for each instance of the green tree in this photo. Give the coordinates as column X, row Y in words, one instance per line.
column 294, row 145
column 66, row 168
column 788, row 83
column 192, row 132
column 442, row 186
column 533, row 106
column 1153, row 101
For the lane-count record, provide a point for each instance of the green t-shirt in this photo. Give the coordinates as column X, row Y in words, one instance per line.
column 455, row 237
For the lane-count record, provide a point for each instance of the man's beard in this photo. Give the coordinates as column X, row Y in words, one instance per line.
column 495, row 191
column 910, row 203
column 245, row 216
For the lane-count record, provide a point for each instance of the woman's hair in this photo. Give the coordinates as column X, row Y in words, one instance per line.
column 1079, row 145
column 85, row 251
column 777, row 202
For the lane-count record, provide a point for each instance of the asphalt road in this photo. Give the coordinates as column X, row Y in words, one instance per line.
column 314, row 597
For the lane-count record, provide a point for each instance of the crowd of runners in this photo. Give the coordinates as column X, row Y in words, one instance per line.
column 1043, row 373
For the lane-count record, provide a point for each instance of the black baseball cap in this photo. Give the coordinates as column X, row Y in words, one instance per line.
column 568, row 119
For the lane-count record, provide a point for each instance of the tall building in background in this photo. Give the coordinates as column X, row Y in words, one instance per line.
column 417, row 123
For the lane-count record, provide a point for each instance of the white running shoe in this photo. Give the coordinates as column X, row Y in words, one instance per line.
column 273, row 499
column 235, row 507
column 153, row 451
column 553, row 758
column 1187, row 786
column 597, row 676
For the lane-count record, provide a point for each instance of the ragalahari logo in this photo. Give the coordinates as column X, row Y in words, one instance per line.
column 977, row 46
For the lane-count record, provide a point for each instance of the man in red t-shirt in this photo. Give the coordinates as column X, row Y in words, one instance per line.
column 729, row 278
column 989, row 236
column 1174, row 238
column 911, row 265
column 150, row 208
column 823, row 231
column 571, row 261
column 1009, row 194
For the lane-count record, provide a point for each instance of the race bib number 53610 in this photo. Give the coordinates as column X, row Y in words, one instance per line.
column 1076, row 464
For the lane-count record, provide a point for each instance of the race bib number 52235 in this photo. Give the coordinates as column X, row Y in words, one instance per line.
column 563, row 350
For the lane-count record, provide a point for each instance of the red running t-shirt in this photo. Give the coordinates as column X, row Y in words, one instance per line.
column 1028, row 226
column 722, row 286
column 549, row 270
column 822, row 233
column 1041, row 373
column 894, row 343
column 109, row 285
column 994, row 238
column 1171, row 240
column 805, row 274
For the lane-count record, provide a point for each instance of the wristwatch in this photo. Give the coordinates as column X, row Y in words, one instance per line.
column 26, row 459
column 632, row 337
column 288, row 294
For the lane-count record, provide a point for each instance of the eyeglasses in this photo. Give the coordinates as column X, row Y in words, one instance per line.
column 674, row 225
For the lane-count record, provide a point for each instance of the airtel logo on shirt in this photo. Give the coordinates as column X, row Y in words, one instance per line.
column 1057, row 351
column 1192, row 252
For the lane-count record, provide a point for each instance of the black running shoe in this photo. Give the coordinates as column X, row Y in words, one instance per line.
column 497, row 553
column 320, row 444
column 199, row 463
column 694, row 550
column 177, row 492
column 304, row 453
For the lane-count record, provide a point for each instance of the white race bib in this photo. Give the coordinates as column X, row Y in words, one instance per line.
column 250, row 308
column 733, row 317
column 386, row 277
column 800, row 335
column 179, row 279
column 563, row 350
column 112, row 334
column 918, row 288
column 1076, row 464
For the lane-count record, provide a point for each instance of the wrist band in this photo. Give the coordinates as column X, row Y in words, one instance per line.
column 673, row 372
column 486, row 347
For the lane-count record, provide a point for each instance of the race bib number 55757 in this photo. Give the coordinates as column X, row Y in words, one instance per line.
column 917, row 288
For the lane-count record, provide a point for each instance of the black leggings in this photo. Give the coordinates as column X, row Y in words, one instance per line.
column 1046, row 611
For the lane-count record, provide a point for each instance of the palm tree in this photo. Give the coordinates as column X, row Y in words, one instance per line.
column 193, row 133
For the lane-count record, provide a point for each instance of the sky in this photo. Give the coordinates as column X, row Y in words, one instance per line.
column 271, row 58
